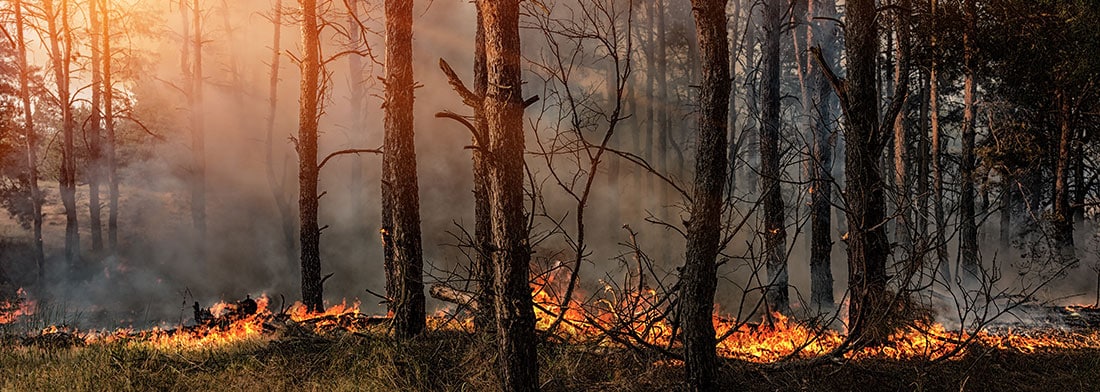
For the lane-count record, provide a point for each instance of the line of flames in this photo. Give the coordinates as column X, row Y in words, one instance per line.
column 638, row 324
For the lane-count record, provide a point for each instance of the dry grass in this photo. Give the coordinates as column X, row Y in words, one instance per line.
column 449, row 361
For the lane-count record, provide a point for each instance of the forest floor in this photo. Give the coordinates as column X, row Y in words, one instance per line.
column 453, row 361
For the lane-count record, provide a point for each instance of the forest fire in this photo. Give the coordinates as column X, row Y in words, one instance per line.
column 19, row 307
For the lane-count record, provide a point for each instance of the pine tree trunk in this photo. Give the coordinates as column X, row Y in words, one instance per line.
column 31, row 144
column 503, row 110
column 484, row 320
column 1063, row 220
column 94, row 135
column 901, row 138
column 109, row 124
column 868, row 246
column 407, row 302
column 278, row 192
column 968, row 229
column 943, row 266
column 308, row 113
column 775, row 234
column 699, row 275
column 60, row 38
column 823, row 35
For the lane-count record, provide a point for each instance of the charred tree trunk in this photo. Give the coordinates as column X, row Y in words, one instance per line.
column 775, row 235
column 503, row 110
column 60, row 38
column 823, row 35
column 1063, row 219
column 407, row 299
column 308, row 113
column 868, row 246
column 31, row 140
column 902, row 154
column 109, row 125
column 95, row 154
column 968, row 228
column 277, row 186
column 699, row 276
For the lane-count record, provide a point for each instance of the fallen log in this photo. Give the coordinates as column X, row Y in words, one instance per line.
column 450, row 294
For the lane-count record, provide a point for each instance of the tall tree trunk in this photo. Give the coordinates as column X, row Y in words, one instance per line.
column 407, row 300
column 60, row 38
column 358, row 112
column 198, row 134
column 483, row 224
column 775, row 234
column 278, row 191
column 699, row 276
column 734, row 138
column 650, row 93
column 661, row 101
column 823, row 35
column 95, row 160
column 503, row 110
column 943, row 266
column 868, row 247
column 968, row 228
column 308, row 113
column 109, row 124
column 31, row 140
column 1063, row 220
column 901, row 136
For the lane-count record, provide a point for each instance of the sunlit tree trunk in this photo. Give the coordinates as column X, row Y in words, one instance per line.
column 31, row 143
column 60, row 38
column 503, row 110
column 94, row 133
column 109, row 125
column 699, row 275
column 407, row 298
column 775, row 234
column 900, row 124
column 308, row 113
column 278, row 192
column 483, row 227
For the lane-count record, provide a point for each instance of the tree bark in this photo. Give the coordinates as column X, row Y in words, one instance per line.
column 308, row 113
column 699, row 276
column 503, row 109
column 823, row 35
column 109, row 125
column 95, row 160
column 968, row 228
column 775, row 235
column 278, row 192
column 60, row 38
column 1063, row 219
column 407, row 300
column 943, row 266
column 483, row 227
column 902, row 154
column 868, row 246
column 31, row 143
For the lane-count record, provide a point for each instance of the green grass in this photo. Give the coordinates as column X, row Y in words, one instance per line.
column 450, row 361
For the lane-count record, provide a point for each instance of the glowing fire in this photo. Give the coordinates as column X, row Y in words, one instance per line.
column 21, row 306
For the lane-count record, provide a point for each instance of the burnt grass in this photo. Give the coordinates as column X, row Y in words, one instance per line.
column 454, row 361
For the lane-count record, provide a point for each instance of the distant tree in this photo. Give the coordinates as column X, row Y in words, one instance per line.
column 31, row 140
column 59, row 35
column 775, row 234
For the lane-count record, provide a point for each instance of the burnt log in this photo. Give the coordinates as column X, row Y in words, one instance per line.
column 450, row 294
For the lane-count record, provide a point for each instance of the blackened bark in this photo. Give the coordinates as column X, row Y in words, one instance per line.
column 868, row 246
column 1062, row 219
column 823, row 35
column 503, row 110
column 775, row 234
column 902, row 154
column 309, row 233
column 699, row 275
column 31, row 143
column 407, row 300
column 968, row 228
